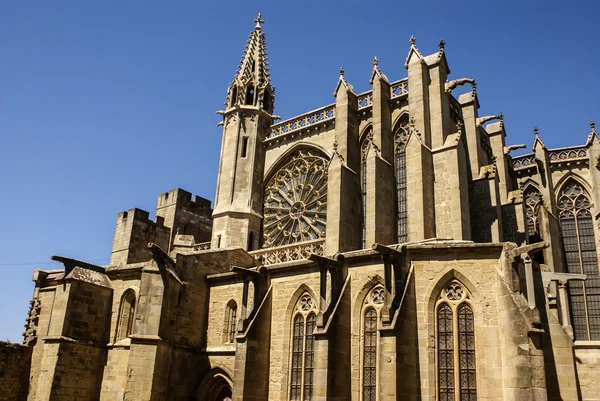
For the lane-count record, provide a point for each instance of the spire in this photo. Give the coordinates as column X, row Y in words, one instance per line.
column 377, row 72
column 252, row 82
column 413, row 51
column 342, row 82
column 536, row 139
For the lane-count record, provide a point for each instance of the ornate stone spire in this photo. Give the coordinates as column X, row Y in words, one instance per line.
column 537, row 139
column 252, row 82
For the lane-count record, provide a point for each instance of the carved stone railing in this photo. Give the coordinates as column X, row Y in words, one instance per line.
column 310, row 119
column 568, row 154
column 365, row 100
column 399, row 88
column 455, row 108
column 523, row 161
column 289, row 253
column 202, row 246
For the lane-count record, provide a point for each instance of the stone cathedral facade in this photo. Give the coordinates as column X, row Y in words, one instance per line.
column 386, row 246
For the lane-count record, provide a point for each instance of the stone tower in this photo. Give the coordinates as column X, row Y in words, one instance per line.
column 246, row 119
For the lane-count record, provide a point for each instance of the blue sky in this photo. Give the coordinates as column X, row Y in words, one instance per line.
column 105, row 104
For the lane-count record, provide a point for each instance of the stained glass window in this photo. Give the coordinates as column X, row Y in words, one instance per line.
column 579, row 245
column 369, row 355
column 295, row 200
column 309, row 356
column 466, row 353
column 364, row 150
column 303, row 350
column 297, row 348
column 400, row 139
column 455, row 332
column 445, row 329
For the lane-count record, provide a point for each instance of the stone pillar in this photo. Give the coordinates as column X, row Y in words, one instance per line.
column 496, row 134
column 380, row 210
column 418, row 93
column 148, row 368
column 420, row 198
column 439, row 102
column 469, row 105
column 343, row 190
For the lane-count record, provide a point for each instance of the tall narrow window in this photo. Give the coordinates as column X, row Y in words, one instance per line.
column 244, row 146
column 303, row 344
column 455, row 333
column 364, row 147
column 579, row 244
column 400, row 139
column 371, row 313
column 230, row 321
column 126, row 315
column 532, row 201
column 370, row 356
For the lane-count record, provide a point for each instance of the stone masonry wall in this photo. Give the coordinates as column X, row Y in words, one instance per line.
column 15, row 360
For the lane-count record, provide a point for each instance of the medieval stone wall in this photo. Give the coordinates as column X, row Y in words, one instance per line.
column 15, row 362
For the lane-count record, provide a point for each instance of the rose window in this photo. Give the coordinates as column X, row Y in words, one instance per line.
column 295, row 201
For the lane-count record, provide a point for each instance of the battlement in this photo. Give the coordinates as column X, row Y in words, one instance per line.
column 184, row 198
column 133, row 231
column 185, row 214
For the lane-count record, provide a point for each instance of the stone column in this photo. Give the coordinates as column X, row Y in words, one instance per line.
column 469, row 105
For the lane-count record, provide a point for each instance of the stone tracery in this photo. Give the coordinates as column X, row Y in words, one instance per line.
column 295, row 205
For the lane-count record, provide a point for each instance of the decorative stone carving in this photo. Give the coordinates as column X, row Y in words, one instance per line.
column 295, row 207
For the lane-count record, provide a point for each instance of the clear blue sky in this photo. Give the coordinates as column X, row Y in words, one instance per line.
column 105, row 104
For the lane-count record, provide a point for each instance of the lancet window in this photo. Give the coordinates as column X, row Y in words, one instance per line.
column 304, row 321
column 370, row 316
column 295, row 200
column 400, row 139
column 230, row 322
column 365, row 146
column 532, row 202
column 577, row 227
column 126, row 315
column 455, row 337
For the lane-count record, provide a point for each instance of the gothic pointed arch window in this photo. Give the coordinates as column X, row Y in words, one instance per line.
column 126, row 315
column 371, row 312
column 400, row 139
column 455, row 339
column 532, row 200
column 295, row 200
column 304, row 322
column 230, row 322
column 579, row 244
column 365, row 146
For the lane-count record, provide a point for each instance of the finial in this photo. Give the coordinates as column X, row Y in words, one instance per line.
column 593, row 126
column 412, row 122
column 413, row 40
column 474, row 88
column 341, row 72
column 375, row 62
column 536, row 131
column 259, row 20
column 335, row 145
column 442, row 44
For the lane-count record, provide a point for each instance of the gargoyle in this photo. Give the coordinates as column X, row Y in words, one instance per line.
column 482, row 120
column 450, row 86
column 510, row 148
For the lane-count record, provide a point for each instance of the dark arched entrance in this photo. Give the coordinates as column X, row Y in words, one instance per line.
column 216, row 386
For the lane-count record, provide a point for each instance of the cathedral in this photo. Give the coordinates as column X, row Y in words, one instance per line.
column 386, row 246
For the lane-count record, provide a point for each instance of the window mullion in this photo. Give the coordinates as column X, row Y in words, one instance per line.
column 303, row 361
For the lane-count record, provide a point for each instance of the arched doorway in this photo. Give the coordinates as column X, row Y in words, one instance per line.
column 216, row 386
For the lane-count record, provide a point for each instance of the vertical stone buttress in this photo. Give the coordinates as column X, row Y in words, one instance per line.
column 238, row 206
column 549, row 224
column 380, row 166
column 419, row 167
column 449, row 155
column 343, row 211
